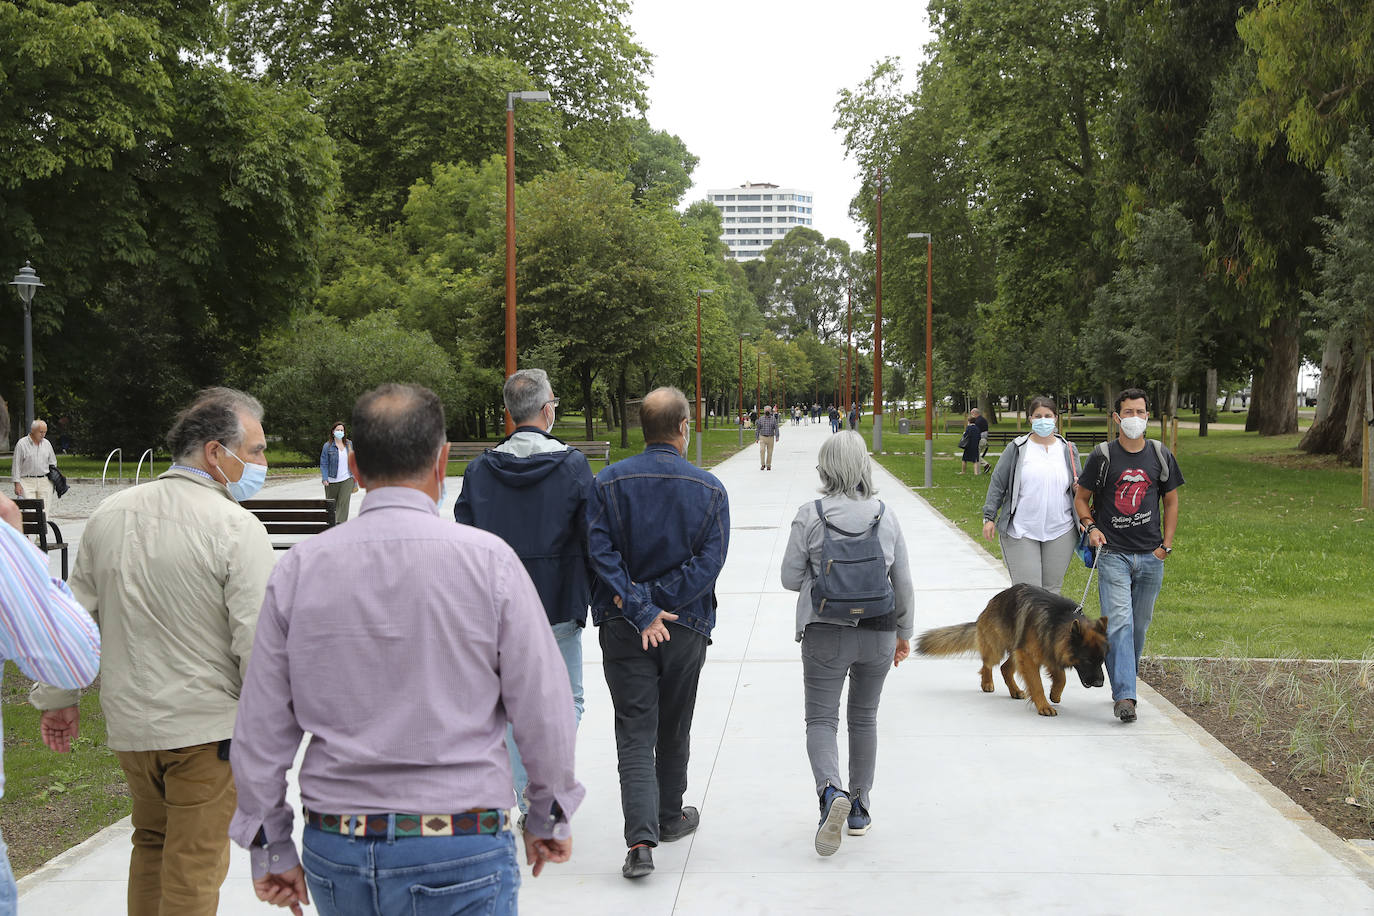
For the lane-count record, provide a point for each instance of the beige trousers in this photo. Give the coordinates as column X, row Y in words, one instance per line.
column 766, row 451
column 38, row 488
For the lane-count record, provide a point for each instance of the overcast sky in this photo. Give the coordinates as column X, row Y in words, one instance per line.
column 750, row 86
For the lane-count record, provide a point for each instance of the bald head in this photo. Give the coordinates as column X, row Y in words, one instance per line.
column 662, row 413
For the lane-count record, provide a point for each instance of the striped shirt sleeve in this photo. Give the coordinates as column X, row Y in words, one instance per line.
column 43, row 628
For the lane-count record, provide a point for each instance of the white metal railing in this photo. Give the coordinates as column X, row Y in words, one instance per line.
column 120, row 453
column 149, row 455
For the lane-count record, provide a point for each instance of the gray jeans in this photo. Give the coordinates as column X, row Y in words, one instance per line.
column 830, row 654
column 1041, row 563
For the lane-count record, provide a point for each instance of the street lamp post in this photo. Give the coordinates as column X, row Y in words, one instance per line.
column 698, row 409
column 758, row 380
column 740, row 422
column 849, row 352
column 930, row 380
column 878, row 330
column 26, row 283
column 511, row 99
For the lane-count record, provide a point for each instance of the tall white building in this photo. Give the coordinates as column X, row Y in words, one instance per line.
column 757, row 215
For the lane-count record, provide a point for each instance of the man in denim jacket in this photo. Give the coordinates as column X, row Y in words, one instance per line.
column 658, row 529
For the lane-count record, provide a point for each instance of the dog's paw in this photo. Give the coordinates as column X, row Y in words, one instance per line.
column 1017, row 694
column 1047, row 711
column 988, row 688
column 1056, row 699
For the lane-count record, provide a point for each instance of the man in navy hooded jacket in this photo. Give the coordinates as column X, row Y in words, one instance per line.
column 531, row 491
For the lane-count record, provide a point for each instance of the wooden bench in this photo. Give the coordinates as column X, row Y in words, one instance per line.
column 288, row 521
column 1080, row 439
column 466, row 451
column 36, row 522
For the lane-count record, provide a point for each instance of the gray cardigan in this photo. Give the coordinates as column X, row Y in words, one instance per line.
column 804, row 553
column 1005, row 487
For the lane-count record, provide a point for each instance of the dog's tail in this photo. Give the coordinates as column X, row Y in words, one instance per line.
column 955, row 640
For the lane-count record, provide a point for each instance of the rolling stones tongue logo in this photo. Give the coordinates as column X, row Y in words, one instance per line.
column 1131, row 487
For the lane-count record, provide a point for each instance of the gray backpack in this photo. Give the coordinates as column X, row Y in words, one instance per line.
column 852, row 582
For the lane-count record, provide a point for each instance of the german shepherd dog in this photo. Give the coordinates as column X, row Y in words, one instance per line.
column 1031, row 627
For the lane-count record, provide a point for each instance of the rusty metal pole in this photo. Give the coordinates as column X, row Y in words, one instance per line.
column 878, row 331
column 510, row 247
column 849, row 354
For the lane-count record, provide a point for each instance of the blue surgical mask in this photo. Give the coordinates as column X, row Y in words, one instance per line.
column 1043, row 426
column 338, row 434
column 248, row 485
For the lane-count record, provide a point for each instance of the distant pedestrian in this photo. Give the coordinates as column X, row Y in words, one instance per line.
column 174, row 570
column 968, row 446
column 982, row 422
column 338, row 481
column 403, row 644
column 531, row 491
column 1127, row 498
column 1030, row 501
column 854, row 417
column 836, row 645
column 658, row 532
column 44, row 630
column 834, row 419
column 33, row 455
column 767, row 434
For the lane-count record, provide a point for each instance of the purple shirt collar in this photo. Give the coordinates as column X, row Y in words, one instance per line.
column 395, row 497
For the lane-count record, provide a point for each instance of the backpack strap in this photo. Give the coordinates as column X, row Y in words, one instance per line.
column 853, row 534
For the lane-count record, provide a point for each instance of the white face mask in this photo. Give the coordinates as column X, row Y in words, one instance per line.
column 686, row 438
column 1134, row 427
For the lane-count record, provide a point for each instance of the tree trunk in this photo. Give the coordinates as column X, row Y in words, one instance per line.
column 1209, row 397
column 1330, row 431
column 584, row 375
column 985, row 405
column 1274, row 402
column 1352, row 447
column 1172, row 407
column 621, row 395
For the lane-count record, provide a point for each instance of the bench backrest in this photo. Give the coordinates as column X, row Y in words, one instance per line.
column 35, row 519
column 465, row 451
column 292, row 516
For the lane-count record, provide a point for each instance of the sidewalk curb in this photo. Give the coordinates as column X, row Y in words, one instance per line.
column 54, row 867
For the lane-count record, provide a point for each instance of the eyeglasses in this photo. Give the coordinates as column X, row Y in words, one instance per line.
column 553, row 401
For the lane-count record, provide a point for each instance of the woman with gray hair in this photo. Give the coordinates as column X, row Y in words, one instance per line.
column 856, row 640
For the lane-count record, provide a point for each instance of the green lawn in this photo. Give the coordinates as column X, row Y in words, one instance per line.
column 1272, row 556
column 54, row 801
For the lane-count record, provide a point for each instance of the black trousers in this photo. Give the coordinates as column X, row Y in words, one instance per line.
column 654, row 693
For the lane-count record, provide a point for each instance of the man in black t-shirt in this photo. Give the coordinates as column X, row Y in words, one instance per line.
column 1134, row 510
column 976, row 416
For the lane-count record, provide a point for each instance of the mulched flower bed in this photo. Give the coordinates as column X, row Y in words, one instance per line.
column 1307, row 727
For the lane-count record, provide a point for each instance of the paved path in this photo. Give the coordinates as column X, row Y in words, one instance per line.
column 980, row 806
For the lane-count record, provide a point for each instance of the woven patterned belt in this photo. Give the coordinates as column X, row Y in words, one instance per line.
column 467, row 823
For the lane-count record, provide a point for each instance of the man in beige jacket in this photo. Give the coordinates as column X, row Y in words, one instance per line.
column 174, row 571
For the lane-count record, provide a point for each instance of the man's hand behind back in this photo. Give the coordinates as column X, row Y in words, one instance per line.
column 538, row 851
column 60, row 727
column 657, row 631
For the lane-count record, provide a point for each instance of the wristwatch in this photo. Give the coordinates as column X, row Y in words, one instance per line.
column 1167, row 550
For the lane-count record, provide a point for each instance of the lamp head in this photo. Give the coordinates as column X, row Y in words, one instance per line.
column 539, row 95
column 26, row 282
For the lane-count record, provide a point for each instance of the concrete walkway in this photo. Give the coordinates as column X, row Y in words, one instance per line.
column 980, row 806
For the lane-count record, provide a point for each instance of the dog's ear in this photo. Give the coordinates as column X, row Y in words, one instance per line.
column 1076, row 633
column 1102, row 624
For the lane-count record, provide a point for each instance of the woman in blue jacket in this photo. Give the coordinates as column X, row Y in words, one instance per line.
column 339, row 485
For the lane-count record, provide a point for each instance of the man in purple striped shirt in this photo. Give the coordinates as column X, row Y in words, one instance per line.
column 43, row 630
column 403, row 644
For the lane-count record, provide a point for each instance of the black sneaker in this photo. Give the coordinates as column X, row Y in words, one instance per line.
column 835, row 807
column 687, row 824
column 1124, row 710
column 859, row 819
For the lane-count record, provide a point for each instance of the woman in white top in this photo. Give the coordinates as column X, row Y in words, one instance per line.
column 339, row 484
column 1030, row 501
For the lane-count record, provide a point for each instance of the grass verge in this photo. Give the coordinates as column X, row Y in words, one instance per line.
column 54, row 801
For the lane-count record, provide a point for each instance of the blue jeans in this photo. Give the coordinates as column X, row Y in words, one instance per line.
column 9, row 894
column 1127, row 586
column 415, row 876
column 569, row 637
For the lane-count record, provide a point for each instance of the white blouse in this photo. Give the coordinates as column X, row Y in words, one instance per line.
column 1044, row 509
column 341, row 472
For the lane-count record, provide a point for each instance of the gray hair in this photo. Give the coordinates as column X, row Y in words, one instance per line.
column 216, row 415
column 525, row 393
column 37, row 423
column 844, row 466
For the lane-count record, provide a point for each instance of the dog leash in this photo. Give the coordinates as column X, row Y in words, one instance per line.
column 1097, row 553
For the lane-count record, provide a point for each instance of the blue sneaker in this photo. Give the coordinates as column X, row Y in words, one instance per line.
column 834, row 809
column 859, row 819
